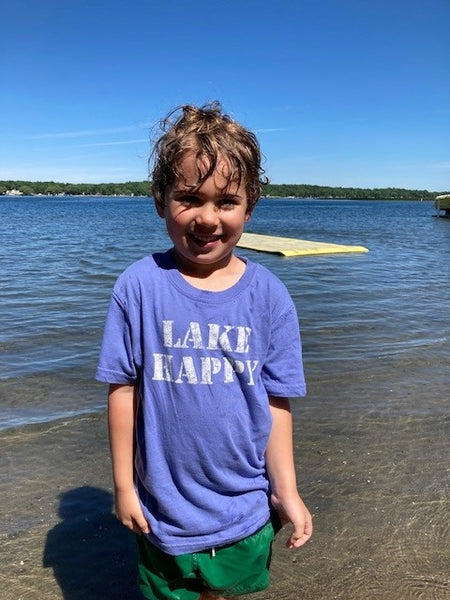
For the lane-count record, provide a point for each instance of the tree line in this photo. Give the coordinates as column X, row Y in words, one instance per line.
column 347, row 193
column 52, row 188
column 143, row 188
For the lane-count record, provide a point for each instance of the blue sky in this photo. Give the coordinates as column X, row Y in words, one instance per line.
column 339, row 92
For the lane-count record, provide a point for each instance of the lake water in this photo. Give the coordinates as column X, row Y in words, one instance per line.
column 377, row 323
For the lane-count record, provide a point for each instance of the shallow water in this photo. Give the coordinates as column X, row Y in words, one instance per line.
column 373, row 323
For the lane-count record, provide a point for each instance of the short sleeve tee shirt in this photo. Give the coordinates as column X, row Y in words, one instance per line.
column 204, row 364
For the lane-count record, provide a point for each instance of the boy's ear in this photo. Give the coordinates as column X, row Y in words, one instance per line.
column 159, row 204
column 248, row 215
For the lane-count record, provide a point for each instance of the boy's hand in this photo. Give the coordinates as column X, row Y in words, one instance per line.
column 129, row 511
column 293, row 510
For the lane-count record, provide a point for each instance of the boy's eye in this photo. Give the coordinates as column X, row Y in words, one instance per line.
column 192, row 200
column 189, row 200
column 228, row 202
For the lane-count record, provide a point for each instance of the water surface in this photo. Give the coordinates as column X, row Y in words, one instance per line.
column 374, row 323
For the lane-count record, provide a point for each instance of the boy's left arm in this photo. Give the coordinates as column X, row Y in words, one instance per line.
column 281, row 471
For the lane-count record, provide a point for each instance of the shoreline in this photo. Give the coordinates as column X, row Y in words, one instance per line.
column 376, row 485
column 263, row 197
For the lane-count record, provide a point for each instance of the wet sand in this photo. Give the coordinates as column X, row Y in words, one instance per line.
column 376, row 485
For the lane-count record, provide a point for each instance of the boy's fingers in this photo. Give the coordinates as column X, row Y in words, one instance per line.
column 146, row 529
column 300, row 537
column 136, row 524
column 297, row 541
column 142, row 526
column 308, row 529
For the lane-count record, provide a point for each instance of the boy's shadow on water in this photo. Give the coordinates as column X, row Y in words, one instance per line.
column 92, row 555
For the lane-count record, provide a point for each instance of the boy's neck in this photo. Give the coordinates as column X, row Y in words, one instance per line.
column 211, row 278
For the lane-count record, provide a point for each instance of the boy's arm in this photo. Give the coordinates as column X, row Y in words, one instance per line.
column 121, row 422
column 281, row 472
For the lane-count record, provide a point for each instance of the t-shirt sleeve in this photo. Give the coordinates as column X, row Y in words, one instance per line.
column 116, row 362
column 282, row 372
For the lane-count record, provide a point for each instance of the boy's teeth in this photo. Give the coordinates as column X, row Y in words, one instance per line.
column 207, row 238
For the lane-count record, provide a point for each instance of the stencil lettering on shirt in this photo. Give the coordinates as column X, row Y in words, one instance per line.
column 195, row 369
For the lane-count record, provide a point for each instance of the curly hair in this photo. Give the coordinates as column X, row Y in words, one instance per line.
column 208, row 133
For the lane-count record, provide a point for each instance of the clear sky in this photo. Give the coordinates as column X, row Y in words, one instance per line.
column 339, row 92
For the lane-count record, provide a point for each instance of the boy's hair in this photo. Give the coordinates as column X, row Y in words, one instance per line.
column 208, row 133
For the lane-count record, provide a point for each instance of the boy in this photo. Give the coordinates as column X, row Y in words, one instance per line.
column 202, row 350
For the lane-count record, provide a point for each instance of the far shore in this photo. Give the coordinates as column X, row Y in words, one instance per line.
column 270, row 190
column 268, row 197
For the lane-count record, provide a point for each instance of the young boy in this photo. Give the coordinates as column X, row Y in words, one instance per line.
column 202, row 350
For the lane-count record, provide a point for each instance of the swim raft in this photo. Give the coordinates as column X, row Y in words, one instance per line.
column 291, row 246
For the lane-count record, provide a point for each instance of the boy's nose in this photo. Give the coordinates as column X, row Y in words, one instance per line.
column 207, row 215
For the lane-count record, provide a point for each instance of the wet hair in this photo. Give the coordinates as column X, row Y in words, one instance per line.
column 212, row 135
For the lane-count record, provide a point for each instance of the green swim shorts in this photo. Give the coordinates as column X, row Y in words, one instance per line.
column 232, row 570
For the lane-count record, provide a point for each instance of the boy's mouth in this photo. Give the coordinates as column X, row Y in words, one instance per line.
column 204, row 239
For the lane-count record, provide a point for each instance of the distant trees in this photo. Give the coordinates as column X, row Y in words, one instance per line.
column 51, row 188
column 142, row 188
column 318, row 191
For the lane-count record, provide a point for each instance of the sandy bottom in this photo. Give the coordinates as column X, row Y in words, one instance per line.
column 376, row 485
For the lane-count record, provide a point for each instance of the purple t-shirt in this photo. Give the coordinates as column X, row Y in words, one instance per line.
column 204, row 364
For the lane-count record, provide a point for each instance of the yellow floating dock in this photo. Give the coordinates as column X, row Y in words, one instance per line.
column 442, row 202
column 291, row 246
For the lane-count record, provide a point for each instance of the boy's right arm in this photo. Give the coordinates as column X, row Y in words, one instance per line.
column 121, row 422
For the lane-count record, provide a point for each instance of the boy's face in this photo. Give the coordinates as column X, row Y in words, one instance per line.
column 204, row 223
